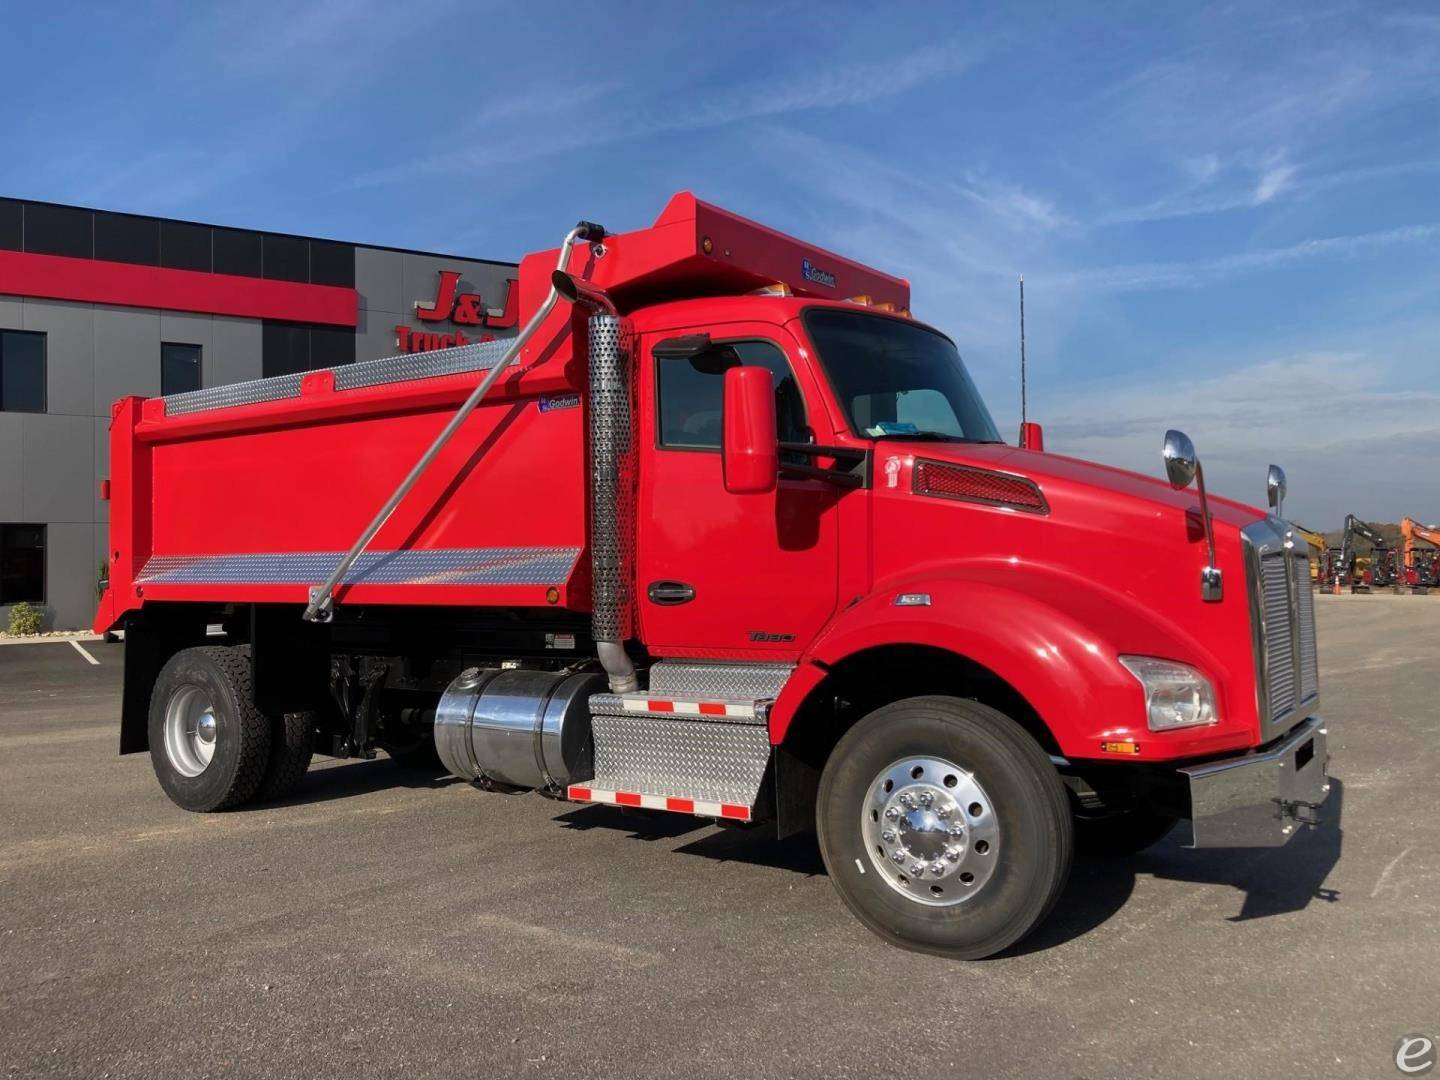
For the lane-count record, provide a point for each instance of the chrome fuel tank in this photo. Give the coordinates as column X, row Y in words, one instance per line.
column 524, row 729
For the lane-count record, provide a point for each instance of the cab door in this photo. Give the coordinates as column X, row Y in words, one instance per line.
column 721, row 575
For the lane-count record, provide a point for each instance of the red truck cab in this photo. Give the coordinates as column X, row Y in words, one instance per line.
column 724, row 531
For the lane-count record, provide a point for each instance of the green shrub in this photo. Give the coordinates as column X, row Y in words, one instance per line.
column 24, row 619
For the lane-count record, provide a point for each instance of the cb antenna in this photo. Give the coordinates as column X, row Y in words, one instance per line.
column 1022, row 349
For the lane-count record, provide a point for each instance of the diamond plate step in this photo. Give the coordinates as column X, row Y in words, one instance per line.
column 732, row 710
column 695, row 678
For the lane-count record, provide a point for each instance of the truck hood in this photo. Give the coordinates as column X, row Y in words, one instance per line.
column 1056, row 470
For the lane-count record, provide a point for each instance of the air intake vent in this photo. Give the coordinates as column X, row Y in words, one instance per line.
column 949, row 481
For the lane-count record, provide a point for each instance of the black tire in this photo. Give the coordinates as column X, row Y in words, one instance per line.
column 1123, row 833
column 241, row 732
column 292, row 745
column 1028, row 799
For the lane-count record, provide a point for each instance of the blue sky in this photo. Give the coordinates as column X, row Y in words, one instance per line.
column 1228, row 216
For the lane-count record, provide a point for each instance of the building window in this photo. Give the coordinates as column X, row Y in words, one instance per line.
column 179, row 368
column 332, row 264
column 184, row 246
column 12, row 225
column 59, row 230
column 287, row 258
column 127, row 238
column 289, row 348
column 22, row 371
column 22, row 564
column 236, row 252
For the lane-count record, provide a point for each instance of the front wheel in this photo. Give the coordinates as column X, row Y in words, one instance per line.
column 944, row 826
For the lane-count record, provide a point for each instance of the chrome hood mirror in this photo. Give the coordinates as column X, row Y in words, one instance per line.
column 1275, row 489
column 1180, row 461
column 1182, row 467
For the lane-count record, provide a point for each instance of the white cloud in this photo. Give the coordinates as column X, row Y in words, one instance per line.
column 1135, row 277
column 662, row 111
column 1338, row 422
column 1272, row 182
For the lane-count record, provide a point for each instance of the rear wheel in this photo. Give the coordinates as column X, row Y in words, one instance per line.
column 292, row 745
column 209, row 745
column 944, row 826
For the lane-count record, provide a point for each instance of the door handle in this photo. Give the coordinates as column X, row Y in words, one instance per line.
column 670, row 593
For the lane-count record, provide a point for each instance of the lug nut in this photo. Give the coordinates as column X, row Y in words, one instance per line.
column 937, row 868
column 906, row 799
column 956, row 829
column 953, row 854
column 888, row 836
column 892, row 814
column 925, row 798
column 917, row 869
column 942, row 812
column 899, row 856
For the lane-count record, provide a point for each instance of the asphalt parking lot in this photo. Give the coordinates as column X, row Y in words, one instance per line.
column 384, row 924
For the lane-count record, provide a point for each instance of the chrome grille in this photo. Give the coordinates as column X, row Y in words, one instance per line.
column 1279, row 636
column 1283, row 612
column 1309, row 658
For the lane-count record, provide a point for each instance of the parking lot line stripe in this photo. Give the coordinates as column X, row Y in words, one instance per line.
column 84, row 652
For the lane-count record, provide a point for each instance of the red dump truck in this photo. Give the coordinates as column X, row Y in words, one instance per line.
column 725, row 531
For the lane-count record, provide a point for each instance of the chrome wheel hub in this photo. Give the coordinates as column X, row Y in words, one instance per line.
column 930, row 831
column 190, row 730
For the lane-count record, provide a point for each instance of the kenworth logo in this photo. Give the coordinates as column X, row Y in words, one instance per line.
column 810, row 272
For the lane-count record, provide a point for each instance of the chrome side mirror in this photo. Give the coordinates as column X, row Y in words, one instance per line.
column 1275, row 489
column 1181, row 464
column 1182, row 467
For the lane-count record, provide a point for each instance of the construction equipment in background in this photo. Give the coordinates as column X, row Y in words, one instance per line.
column 1319, row 552
column 1380, row 571
column 1421, row 568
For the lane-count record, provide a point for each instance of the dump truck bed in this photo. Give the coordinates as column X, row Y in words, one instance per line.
column 253, row 492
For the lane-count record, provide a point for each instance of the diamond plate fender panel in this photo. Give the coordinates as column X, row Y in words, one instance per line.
column 721, row 762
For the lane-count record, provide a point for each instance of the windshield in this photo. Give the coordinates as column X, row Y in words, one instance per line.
column 897, row 379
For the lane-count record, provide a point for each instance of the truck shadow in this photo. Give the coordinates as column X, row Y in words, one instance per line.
column 354, row 779
column 1273, row 881
column 648, row 825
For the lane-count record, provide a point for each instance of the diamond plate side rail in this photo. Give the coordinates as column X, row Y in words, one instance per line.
column 440, row 566
column 480, row 356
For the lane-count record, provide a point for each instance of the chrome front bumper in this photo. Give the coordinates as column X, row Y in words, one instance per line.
column 1258, row 799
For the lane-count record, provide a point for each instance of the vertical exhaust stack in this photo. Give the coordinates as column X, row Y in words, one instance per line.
column 612, row 464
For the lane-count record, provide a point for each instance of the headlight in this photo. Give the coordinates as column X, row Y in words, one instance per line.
column 1176, row 695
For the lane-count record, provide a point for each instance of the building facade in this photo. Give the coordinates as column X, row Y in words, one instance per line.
column 96, row 306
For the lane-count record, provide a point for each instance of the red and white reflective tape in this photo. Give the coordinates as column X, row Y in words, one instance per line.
column 698, row 807
column 738, row 709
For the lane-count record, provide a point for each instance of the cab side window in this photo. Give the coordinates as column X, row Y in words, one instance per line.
column 691, row 395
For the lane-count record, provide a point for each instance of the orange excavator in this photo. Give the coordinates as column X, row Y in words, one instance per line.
column 1420, row 570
